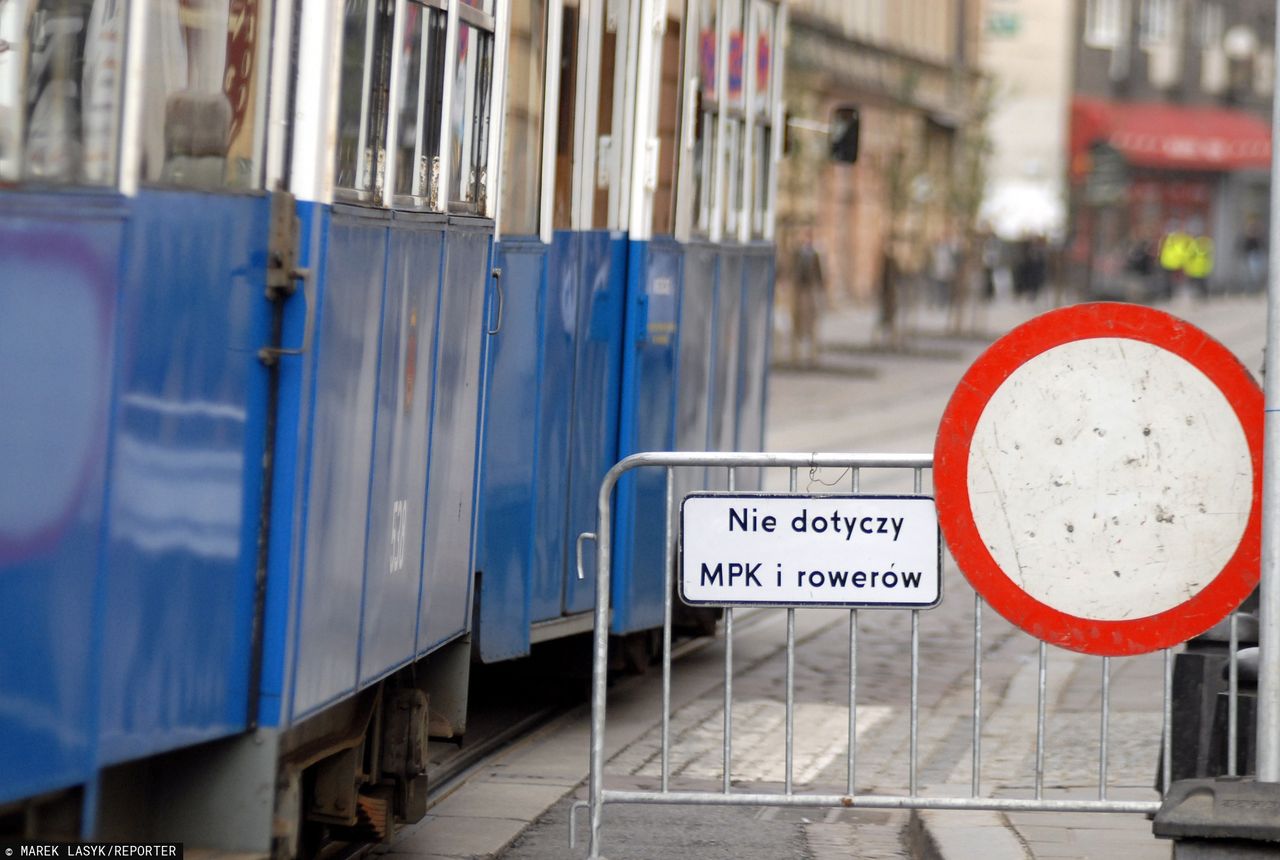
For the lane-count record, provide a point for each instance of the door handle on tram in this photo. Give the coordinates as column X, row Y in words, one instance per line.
column 585, row 536
column 270, row 354
column 497, row 283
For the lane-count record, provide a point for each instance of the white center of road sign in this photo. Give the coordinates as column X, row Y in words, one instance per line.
column 1161, row 453
column 860, row 551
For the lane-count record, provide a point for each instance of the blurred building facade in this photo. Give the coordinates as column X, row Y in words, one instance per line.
column 1027, row 51
column 1169, row 134
column 910, row 66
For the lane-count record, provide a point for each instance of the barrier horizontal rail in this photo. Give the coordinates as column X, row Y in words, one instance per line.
column 856, row 464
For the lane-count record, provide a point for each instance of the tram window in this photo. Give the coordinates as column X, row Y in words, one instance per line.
column 664, row 198
column 421, row 59
column 706, row 125
column 362, row 99
column 761, row 159
column 201, row 102
column 604, row 126
column 764, row 16
column 562, row 209
column 732, row 202
column 60, row 78
column 522, row 138
column 469, row 120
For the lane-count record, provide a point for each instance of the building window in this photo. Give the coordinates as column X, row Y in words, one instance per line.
column 1158, row 22
column 1106, row 23
column 1209, row 31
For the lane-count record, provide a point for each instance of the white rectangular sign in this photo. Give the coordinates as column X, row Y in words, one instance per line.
column 776, row 550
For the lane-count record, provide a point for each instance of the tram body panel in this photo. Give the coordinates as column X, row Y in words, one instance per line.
column 349, row 305
column 445, row 611
column 393, row 558
column 291, row 461
column 726, row 363
column 556, row 359
column 185, row 487
column 505, row 551
column 58, row 333
column 658, row 284
column 597, row 394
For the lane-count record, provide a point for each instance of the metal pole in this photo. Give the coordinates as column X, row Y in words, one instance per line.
column 1268, row 733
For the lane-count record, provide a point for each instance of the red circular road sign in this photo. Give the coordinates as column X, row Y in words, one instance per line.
column 1098, row 474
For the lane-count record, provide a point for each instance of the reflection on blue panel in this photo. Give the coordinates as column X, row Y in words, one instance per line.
column 185, row 482
column 451, row 484
column 393, row 569
column 346, row 343
column 505, row 550
column 57, row 327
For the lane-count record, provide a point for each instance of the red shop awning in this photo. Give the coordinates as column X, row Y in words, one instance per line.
column 1172, row 137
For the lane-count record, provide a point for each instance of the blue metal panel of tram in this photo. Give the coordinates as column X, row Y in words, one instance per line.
column 139, row 410
column 656, row 326
column 505, row 550
column 451, row 486
column 550, row 429
column 349, row 297
column 58, row 330
column 185, row 479
column 406, row 376
column 593, row 437
column 391, row 458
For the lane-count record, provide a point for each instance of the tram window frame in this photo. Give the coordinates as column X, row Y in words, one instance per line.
column 524, row 112
column 360, row 162
column 439, row 125
column 75, row 165
column 420, row 99
column 468, row 137
column 762, row 108
column 704, row 44
column 182, row 143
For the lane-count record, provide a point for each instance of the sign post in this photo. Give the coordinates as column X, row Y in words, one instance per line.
column 1269, row 598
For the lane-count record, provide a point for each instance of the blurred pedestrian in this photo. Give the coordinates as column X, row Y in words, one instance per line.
column 806, row 291
column 942, row 270
column 1253, row 248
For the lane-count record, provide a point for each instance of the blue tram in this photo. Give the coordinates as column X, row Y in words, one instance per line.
column 319, row 325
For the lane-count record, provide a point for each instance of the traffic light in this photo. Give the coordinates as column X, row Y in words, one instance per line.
column 844, row 134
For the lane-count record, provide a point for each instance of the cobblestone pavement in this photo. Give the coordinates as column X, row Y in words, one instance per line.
column 864, row 400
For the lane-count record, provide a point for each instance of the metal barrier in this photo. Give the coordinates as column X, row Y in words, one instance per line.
column 854, row 464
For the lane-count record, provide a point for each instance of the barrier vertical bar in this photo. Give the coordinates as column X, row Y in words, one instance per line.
column 728, row 695
column 1166, row 740
column 1103, row 729
column 1268, row 725
column 791, row 679
column 977, row 695
column 728, row 681
column 915, row 699
column 851, row 761
column 600, row 654
column 670, row 561
column 1233, row 690
column 1040, row 705
column 915, row 672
